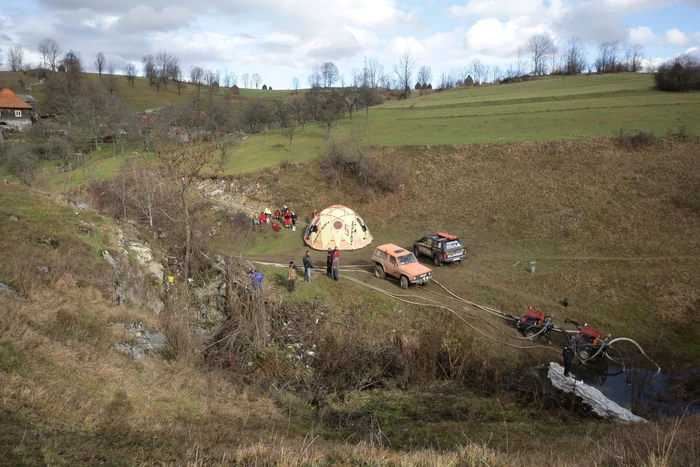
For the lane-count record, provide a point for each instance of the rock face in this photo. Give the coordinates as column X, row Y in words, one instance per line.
column 144, row 342
column 144, row 255
column 592, row 397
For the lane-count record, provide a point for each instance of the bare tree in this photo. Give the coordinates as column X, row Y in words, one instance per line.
column 425, row 75
column 496, row 74
column 634, row 54
column 130, row 73
column 607, row 61
column 15, row 58
column 111, row 82
column 295, row 85
column 165, row 68
column 100, row 63
column 234, row 79
column 226, row 80
column 404, row 73
column 149, row 69
column 478, row 70
column 197, row 77
column 184, row 162
column 374, row 72
column 50, row 51
column 256, row 80
column 329, row 74
column 179, row 79
column 315, row 79
column 245, row 78
column 574, row 57
column 540, row 47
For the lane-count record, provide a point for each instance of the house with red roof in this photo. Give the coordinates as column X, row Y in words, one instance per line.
column 15, row 113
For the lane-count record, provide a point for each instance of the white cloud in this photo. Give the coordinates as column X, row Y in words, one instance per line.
column 145, row 18
column 676, row 37
column 642, row 35
column 632, row 6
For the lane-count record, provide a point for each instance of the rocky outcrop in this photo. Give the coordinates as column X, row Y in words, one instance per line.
column 143, row 343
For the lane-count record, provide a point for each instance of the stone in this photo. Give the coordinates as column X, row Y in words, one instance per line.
column 7, row 289
column 144, row 342
column 13, row 218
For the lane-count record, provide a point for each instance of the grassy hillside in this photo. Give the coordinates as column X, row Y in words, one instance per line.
column 151, row 412
column 143, row 96
column 614, row 230
column 544, row 109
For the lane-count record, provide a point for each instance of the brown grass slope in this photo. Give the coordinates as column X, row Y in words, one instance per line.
column 617, row 231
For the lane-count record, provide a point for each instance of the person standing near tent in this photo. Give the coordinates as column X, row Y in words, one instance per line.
column 294, row 222
column 329, row 263
column 308, row 266
column 336, row 264
column 291, row 276
column 313, row 214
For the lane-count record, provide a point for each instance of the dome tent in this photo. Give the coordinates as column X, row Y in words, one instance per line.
column 337, row 226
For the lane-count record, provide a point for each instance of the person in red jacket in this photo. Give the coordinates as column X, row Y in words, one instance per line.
column 313, row 214
column 287, row 219
column 263, row 218
column 336, row 254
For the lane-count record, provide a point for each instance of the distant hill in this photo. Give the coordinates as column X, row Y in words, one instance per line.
column 142, row 96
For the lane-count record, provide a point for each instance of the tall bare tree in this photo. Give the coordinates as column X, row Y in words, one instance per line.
column 256, row 80
column 425, row 75
column 329, row 74
column 184, row 162
column 315, row 79
column 404, row 73
column 634, row 54
column 245, row 77
column 541, row 47
column 607, row 60
column 111, row 82
column 15, row 58
column 574, row 57
column 130, row 73
column 295, row 85
column 520, row 62
column 100, row 62
column 478, row 70
column 197, row 77
column 50, row 52
column 496, row 74
column 165, row 68
column 149, row 69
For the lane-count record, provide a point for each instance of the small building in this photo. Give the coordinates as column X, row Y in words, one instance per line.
column 31, row 101
column 15, row 113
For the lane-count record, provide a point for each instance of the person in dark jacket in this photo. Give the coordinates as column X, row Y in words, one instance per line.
column 336, row 266
column 329, row 263
column 308, row 266
column 568, row 354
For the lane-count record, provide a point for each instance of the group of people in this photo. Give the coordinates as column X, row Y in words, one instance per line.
column 332, row 267
column 287, row 217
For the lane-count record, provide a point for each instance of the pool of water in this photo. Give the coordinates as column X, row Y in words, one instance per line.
column 642, row 390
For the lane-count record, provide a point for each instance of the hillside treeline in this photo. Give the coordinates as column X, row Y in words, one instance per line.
column 680, row 74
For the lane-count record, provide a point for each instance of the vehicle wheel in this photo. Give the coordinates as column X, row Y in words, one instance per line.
column 404, row 282
column 436, row 261
column 585, row 353
column 531, row 333
column 416, row 252
column 379, row 271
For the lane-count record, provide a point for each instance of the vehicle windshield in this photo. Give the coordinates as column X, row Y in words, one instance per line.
column 407, row 259
column 454, row 245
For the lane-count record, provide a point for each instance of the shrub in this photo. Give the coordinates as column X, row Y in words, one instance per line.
column 285, row 164
column 635, row 139
column 680, row 74
column 264, row 88
column 345, row 159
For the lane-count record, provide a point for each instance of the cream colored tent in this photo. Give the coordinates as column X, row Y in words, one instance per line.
column 337, row 226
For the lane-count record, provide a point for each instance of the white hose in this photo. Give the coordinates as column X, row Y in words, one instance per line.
column 658, row 368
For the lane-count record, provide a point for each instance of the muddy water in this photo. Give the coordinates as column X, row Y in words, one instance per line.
column 642, row 390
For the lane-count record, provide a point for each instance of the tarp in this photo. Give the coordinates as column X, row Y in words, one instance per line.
column 337, row 226
column 592, row 397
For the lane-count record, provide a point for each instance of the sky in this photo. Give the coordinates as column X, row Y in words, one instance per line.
column 283, row 39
